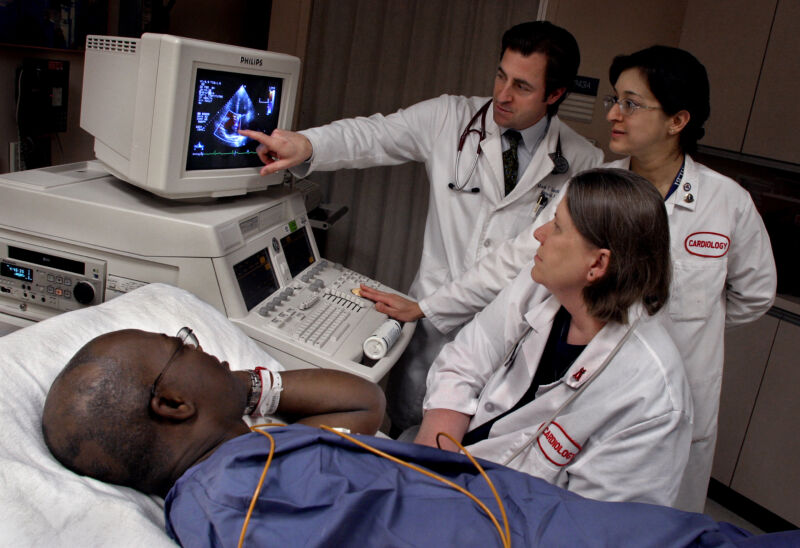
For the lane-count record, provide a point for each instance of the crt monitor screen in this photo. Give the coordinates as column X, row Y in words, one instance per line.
column 256, row 278
column 225, row 102
column 297, row 250
column 165, row 112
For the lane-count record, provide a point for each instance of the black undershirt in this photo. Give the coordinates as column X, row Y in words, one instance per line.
column 556, row 359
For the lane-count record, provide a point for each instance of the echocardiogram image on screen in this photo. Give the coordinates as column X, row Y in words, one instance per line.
column 223, row 103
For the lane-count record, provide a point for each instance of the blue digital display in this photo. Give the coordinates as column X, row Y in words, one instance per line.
column 17, row 272
column 224, row 103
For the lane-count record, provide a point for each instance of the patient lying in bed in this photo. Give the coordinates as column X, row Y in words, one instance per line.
column 160, row 415
column 138, row 409
column 44, row 504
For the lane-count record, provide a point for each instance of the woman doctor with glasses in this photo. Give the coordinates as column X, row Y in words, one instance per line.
column 723, row 269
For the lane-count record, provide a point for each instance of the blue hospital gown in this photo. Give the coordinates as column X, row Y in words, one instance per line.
column 322, row 490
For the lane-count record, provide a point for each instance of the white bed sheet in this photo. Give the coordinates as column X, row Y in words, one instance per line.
column 43, row 503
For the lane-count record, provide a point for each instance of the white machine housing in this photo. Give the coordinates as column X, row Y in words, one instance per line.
column 140, row 95
column 74, row 224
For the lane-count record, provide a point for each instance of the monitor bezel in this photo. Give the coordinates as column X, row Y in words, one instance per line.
column 164, row 78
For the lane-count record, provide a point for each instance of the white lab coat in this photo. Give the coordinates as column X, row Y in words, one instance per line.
column 624, row 438
column 461, row 228
column 707, row 294
column 725, row 287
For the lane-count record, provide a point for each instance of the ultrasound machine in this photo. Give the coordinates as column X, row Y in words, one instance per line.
column 175, row 197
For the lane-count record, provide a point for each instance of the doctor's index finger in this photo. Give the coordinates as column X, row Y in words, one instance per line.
column 374, row 294
column 265, row 140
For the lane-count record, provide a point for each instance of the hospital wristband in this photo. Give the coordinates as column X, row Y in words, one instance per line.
column 270, row 397
column 254, row 395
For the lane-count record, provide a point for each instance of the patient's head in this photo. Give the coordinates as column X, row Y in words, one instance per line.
column 101, row 420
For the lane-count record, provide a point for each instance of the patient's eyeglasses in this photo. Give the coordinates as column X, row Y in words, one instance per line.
column 188, row 338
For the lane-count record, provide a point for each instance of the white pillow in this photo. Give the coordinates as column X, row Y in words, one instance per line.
column 43, row 503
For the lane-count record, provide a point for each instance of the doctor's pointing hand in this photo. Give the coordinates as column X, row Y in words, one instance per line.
column 280, row 150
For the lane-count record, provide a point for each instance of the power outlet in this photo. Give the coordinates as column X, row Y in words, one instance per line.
column 14, row 156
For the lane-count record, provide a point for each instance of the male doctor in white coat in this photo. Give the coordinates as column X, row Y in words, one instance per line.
column 518, row 179
column 724, row 272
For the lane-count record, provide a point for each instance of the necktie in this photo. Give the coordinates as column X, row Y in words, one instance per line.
column 510, row 160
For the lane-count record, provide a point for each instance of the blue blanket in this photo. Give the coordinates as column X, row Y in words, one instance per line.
column 322, row 490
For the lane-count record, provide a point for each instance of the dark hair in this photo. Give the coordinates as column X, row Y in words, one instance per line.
column 99, row 402
column 679, row 82
column 621, row 211
column 556, row 44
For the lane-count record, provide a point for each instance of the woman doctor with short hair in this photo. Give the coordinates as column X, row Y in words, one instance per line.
column 724, row 272
column 570, row 379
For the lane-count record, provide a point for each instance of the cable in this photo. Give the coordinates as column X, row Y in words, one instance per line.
column 505, row 537
column 255, row 428
column 505, row 534
column 575, row 394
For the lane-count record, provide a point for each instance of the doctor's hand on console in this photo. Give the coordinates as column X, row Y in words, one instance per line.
column 280, row 150
column 393, row 305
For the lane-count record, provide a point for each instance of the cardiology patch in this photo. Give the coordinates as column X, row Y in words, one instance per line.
column 557, row 446
column 707, row 244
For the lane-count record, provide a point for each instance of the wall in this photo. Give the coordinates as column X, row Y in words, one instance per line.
column 604, row 30
column 72, row 146
column 238, row 22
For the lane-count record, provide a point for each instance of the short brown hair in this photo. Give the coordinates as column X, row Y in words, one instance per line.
column 616, row 209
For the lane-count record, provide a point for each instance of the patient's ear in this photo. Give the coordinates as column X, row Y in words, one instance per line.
column 172, row 406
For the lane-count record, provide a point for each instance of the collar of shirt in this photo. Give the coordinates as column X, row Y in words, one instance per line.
column 685, row 196
column 531, row 139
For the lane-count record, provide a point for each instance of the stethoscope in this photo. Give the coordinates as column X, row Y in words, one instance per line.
column 511, row 355
column 560, row 163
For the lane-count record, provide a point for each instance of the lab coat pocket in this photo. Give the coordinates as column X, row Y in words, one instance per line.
column 696, row 285
column 538, row 463
column 430, row 279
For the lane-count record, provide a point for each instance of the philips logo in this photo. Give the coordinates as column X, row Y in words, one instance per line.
column 251, row 61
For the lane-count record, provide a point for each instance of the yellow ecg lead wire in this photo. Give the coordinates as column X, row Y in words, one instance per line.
column 505, row 538
column 256, row 428
column 505, row 534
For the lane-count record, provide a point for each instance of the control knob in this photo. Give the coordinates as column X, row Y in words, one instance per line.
column 83, row 292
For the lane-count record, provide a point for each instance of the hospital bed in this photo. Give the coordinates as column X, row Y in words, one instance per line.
column 45, row 504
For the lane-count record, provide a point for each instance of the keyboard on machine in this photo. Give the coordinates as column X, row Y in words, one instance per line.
column 320, row 309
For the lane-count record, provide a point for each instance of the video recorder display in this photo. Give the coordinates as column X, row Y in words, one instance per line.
column 256, row 278
column 297, row 250
column 224, row 103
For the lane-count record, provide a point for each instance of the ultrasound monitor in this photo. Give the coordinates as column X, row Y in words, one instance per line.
column 165, row 111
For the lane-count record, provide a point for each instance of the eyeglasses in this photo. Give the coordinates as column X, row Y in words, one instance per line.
column 626, row 106
column 188, row 338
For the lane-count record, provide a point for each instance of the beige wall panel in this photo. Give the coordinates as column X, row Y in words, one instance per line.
column 288, row 27
column 767, row 472
column 746, row 352
column 772, row 131
column 605, row 30
column 729, row 37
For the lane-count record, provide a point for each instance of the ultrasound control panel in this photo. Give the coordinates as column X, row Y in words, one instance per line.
column 322, row 310
column 34, row 277
column 308, row 307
